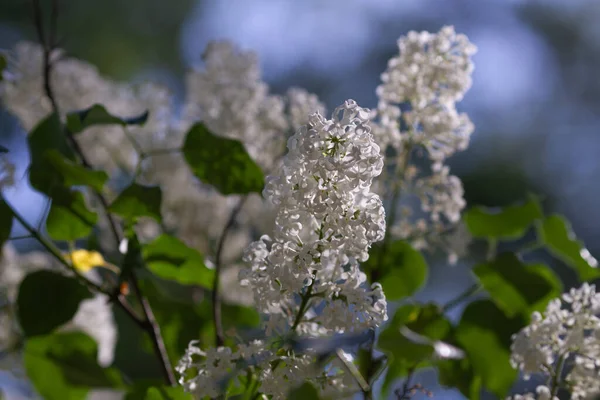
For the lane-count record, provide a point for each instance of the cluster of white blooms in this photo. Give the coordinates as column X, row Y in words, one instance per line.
column 431, row 73
column 417, row 107
column 568, row 333
column 93, row 317
column 327, row 218
column 277, row 370
column 541, row 393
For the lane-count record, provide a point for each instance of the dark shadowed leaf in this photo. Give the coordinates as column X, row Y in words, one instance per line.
column 221, row 162
column 138, row 201
column 507, row 223
column 6, row 221
column 459, row 374
column 556, row 233
column 517, row 288
column 401, row 272
column 169, row 258
column 78, row 121
column 304, row 392
column 64, row 366
column 48, row 300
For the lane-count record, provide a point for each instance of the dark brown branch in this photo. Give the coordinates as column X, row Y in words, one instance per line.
column 216, row 298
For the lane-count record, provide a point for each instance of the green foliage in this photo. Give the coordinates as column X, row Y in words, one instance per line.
column 484, row 332
column 63, row 366
column 508, row 223
column 169, row 258
column 303, row 392
column 517, row 288
column 52, row 172
column 556, row 233
column 6, row 221
column 221, row 162
column 460, row 374
column 142, row 392
column 401, row 272
column 138, row 201
column 48, row 300
column 78, row 121
column 69, row 217
column 74, row 174
column 406, row 354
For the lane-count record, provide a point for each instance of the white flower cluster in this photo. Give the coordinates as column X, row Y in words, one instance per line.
column 93, row 317
column 277, row 371
column 327, row 219
column 541, row 393
column 431, row 73
column 568, row 333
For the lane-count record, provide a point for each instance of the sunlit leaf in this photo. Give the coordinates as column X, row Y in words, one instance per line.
column 556, row 233
column 510, row 222
column 78, row 121
column 74, row 174
column 138, row 201
column 517, row 288
column 484, row 332
column 169, row 258
column 84, row 260
column 221, row 162
column 69, row 218
column 64, row 366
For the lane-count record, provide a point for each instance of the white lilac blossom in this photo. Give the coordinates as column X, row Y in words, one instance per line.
column 93, row 317
column 541, row 393
column 568, row 333
column 431, row 73
column 77, row 85
column 301, row 104
column 232, row 100
column 327, row 218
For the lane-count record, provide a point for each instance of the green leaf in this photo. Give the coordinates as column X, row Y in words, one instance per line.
column 47, row 135
column 508, row 223
column 78, row 121
column 221, row 162
column 74, row 174
column 556, row 233
column 459, row 374
column 169, row 258
column 63, row 366
column 404, row 353
column 48, row 300
column 401, row 272
column 484, row 332
column 304, row 392
column 138, row 201
column 517, row 288
column 69, row 217
column 6, row 221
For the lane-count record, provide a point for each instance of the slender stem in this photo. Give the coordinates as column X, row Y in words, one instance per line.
column 352, row 370
column 555, row 384
column 303, row 305
column 149, row 324
column 216, row 298
column 471, row 290
column 406, row 387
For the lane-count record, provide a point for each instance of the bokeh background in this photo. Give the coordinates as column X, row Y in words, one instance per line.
column 535, row 99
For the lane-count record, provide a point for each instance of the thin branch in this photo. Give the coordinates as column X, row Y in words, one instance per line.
column 216, row 298
column 471, row 290
column 352, row 370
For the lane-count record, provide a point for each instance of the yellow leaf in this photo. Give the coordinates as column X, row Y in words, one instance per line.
column 84, row 260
